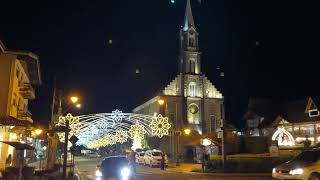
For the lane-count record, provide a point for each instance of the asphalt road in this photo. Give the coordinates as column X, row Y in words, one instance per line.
column 85, row 168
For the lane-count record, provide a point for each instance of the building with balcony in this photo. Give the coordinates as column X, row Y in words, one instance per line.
column 19, row 71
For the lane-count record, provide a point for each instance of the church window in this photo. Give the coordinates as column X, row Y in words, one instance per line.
column 192, row 66
column 191, row 42
column 192, row 89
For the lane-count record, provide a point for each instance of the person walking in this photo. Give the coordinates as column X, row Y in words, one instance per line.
column 162, row 162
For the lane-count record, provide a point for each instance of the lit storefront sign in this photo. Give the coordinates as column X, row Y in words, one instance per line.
column 283, row 137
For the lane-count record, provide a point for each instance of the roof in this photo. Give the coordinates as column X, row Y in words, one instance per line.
column 188, row 18
column 294, row 111
column 297, row 111
column 18, row 145
column 30, row 58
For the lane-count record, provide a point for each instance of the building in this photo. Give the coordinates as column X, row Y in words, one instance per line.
column 19, row 71
column 291, row 123
column 190, row 100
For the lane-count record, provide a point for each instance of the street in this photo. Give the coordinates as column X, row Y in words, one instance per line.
column 85, row 168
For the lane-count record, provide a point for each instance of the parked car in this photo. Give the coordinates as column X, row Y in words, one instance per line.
column 153, row 158
column 93, row 155
column 140, row 157
column 114, row 167
column 305, row 166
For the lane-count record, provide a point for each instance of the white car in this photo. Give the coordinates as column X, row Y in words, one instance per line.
column 305, row 166
column 153, row 158
column 93, row 155
column 140, row 157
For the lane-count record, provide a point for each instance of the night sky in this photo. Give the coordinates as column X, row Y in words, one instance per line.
column 266, row 48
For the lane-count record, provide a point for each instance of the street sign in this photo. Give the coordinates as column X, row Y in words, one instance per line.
column 73, row 139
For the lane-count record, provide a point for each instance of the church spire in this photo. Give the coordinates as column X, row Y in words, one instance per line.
column 188, row 18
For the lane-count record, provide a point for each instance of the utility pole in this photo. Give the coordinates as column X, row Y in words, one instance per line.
column 223, row 136
column 65, row 150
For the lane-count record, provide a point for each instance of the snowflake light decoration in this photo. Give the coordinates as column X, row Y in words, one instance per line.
column 121, row 136
column 137, row 130
column 74, row 125
column 117, row 116
column 160, row 126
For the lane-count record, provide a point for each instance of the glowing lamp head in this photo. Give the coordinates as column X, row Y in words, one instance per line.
column 38, row 131
column 161, row 102
column 74, row 99
column 78, row 106
column 187, row 131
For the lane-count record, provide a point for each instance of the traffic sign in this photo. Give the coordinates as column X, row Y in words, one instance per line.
column 73, row 139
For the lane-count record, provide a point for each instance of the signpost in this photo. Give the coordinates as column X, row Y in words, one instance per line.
column 73, row 139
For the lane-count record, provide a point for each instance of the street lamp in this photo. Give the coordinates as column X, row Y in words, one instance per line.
column 187, row 131
column 161, row 102
column 78, row 106
column 38, row 131
column 74, row 99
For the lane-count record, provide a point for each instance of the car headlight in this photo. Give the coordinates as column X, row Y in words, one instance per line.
column 274, row 170
column 125, row 172
column 98, row 173
column 296, row 171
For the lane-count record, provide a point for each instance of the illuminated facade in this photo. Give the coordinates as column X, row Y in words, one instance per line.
column 190, row 100
column 293, row 123
column 19, row 70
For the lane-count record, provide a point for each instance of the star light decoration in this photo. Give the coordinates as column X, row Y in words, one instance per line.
column 117, row 116
column 136, row 130
column 74, row 125
column 160, row 126
column 121, row 136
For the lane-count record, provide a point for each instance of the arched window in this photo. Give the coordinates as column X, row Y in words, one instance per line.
column 192, row 66
column 192, row 89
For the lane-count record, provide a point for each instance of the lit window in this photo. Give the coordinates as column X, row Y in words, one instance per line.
column 192, row 89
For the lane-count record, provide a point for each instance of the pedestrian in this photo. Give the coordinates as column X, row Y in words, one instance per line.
column 162, row 162
column 132, row 160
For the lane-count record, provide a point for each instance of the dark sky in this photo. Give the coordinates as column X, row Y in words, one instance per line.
column 267, row 48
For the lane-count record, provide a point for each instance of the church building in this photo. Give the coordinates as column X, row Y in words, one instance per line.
column 190, row 101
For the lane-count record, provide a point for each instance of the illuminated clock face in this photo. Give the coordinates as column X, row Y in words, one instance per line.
column 193, row 109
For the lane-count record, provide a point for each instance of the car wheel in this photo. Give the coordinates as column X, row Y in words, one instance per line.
column 314, row 176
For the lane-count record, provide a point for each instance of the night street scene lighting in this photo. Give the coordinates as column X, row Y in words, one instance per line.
column 162, row 89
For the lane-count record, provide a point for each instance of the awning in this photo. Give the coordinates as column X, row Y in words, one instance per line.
column 12, row 121
column 18, row 145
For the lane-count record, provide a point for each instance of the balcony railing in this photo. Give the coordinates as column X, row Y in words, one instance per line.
column 24, row 115
column 26, row 91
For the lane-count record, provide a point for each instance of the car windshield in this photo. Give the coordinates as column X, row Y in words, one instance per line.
column 156, row 154
column 141, row 154
column 307, row 156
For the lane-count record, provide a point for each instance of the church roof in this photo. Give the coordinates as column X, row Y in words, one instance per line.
column 188, row 17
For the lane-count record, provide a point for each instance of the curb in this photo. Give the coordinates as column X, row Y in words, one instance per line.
column 225, row 174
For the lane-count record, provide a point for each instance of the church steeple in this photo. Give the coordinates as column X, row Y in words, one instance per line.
column 189, row 46
column 188, row 18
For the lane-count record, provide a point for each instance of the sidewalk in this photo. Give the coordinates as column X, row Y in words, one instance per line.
column 196, row 169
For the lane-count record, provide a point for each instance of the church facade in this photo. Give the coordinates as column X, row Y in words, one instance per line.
column 190, row 100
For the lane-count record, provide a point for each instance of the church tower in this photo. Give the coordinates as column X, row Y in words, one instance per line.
column 189, row 45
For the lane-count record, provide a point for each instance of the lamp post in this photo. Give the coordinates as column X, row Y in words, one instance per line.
column 73, row 100
column 176, row 131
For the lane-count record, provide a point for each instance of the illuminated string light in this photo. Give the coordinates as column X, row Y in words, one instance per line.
column 74, row 125
column 283, row 137
column 160, row 126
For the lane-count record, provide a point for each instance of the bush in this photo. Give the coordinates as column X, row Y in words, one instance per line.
column 256, row 144
column 253, row 164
